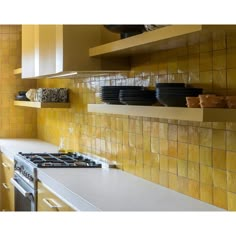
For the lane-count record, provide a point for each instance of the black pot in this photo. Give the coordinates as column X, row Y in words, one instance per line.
column 126, row 30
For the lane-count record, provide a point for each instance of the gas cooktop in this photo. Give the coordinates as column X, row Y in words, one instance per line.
column 44, row 160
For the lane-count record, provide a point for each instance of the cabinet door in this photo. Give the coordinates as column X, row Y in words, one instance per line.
column 30, row 51
column 7, row 189
column 47, row 201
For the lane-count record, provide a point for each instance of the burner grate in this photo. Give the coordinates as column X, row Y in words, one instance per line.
column 45, row 160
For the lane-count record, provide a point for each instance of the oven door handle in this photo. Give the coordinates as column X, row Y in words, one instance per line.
column 18, row 187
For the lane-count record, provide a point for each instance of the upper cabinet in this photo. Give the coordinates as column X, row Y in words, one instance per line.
column 59, row 50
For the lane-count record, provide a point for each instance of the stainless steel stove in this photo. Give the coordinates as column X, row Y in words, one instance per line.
column 25, row 173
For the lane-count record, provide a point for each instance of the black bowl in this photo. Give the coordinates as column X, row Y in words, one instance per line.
column 126, row 30
column 178, row 91
column 170, row 85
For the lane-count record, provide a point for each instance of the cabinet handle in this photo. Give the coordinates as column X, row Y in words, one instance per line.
column 5, row 165
column 5, row 185
column 47, row 202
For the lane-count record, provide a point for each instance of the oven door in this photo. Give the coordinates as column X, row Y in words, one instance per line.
column 25, row 195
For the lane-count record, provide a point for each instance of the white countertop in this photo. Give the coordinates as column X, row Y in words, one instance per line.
column 104, row 189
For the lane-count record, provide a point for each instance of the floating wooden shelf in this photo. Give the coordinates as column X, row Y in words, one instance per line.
column 174, row 113
column 168, row 37
column 17, row 71
column 42, row 104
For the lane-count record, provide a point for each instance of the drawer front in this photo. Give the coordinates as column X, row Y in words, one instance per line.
column 7, row 169
column 7, row 189
column 47, row 201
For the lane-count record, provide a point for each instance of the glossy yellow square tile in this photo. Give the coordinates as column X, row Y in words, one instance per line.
column 219, row 125
column 219, row 79
column 231, row 126
column 172, row 165
column 155, row 175
column 164, row 163
column 183, row 151
column 231, row 83
column 205, row 137
column 205, row 61
column 163, row 130
column 219, row 159
column 139, row 169
column 182, row 133
column 138, row 126
column 172, row 65
column 183, row 185
column 205, row 80
column 193, row 171
column 147, row 172
column 147, row 143
column 155, row 129
column 220, row 178
column 154, row 145
column 164, row 147
column 173, row 181
column 172, row 132
column 231, row 57
column 219, row 40
column 206, row 193
column 163, row 178
column 138, row 141
column 218, row 139
column 194, row 62
column 147, row 157
column 231, row 140
column 231, row 39
column 172, row 149
column 193, row 153
column 220, row 198
column 231, row 161
column 182, row 168
column 231, row 201
column 182, row 63
column 219, row 59
column 193, row 133
column 206, row 175
column 205, row 156
column 231, row 181
column 146, row 127
column 194, row 189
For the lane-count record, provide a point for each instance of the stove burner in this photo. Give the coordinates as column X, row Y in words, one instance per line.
column 45, row 160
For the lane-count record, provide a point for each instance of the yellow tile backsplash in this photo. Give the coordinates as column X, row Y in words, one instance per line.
column 15, row 122
column 194, row 158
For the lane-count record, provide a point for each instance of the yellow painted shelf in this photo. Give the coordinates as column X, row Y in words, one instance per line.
column 168, row 37
column 42, row 104
column 173, row 113
column 17, row 71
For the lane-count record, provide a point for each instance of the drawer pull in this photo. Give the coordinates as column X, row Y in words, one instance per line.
column 5, row 165
column 5, row 185
column 47, row 202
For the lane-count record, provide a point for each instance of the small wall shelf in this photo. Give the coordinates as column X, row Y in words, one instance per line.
column 174, row 113
column 17, row 71
column 168, row 37
column 42, row 104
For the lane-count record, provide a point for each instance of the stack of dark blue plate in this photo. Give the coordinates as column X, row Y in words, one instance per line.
column 134, row 97
column 110, row 94
column 174, row 94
